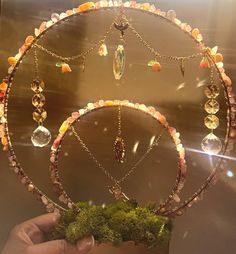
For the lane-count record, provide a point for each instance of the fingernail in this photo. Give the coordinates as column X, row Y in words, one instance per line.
column 85, row 244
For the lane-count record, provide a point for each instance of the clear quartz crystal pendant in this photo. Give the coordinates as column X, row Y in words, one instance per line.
column 119, row 62
column 211, row 144
column 41, row 136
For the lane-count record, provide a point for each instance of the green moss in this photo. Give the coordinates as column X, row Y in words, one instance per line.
column 115, row 223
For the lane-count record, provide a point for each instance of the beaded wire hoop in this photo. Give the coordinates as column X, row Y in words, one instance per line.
column 148, row 9
column 182, row 168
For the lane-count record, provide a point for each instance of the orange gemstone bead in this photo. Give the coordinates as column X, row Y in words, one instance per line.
column 3, row 87
column 156, row 66
column 86, row 6
column 4, row 141
column 218, row 58
column 162, row 120
column 204, row 63
column 70, row 120
column 195, row 32
column 65, row 68
column 12, row 61
column 29, row 40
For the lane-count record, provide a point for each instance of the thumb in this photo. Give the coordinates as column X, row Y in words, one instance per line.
column 62, row 247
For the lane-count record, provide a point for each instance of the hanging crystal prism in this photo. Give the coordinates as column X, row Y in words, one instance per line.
column 41, row 136
column 119, row 62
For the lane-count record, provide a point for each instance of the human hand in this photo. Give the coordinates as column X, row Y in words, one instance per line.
column 30, row 237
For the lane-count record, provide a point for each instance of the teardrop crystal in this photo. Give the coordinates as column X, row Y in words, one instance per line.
column 211, row 144
column 119, row 62
column 41, row 136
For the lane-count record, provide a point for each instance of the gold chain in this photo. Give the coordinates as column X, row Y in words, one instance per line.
column 81, row 55
column 155, row 52
column 36, row 64
column 107, row 174
column 135, row 32
column 119, row 121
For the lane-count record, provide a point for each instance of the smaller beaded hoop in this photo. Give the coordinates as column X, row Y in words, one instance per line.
column 175, row 136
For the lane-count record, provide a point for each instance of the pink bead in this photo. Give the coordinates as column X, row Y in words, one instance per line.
column 172, row 131
column 2, row 94
column 23, row 49
column 75, row 115
column 151, row 109
column 227, row 81
column 162, row 120
column 42, row 26
column 56, row 143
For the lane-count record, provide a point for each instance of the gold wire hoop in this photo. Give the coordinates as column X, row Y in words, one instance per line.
column 151, row 111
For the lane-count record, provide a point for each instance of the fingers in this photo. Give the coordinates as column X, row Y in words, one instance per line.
column 62, row 247
column 45, row 223
column 85, row 245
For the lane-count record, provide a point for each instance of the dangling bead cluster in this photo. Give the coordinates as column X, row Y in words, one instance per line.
column 211, row 144
column 41, row 136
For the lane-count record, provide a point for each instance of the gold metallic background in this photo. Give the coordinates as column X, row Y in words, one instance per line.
column 208, row 227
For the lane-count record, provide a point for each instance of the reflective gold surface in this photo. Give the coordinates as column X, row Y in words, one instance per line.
column 208, row 227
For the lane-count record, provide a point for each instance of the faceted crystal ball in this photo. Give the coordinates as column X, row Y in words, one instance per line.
column 211, row 144
column 41, row 136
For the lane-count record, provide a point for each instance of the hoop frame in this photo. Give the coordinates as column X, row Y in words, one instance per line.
column 147, row 9
column 151, row 111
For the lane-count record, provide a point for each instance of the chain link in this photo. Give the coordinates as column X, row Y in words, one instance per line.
column 155, row 143
column 107, row 174
column 119, row 121
column 36, row 64
column 81, row 55
column 92, row 156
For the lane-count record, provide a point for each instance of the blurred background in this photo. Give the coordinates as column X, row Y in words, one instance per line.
column 209, row 226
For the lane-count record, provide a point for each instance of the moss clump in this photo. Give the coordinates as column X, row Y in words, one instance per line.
column 115, row 223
